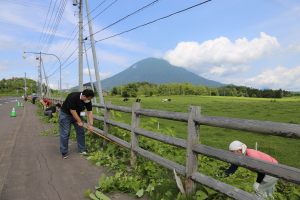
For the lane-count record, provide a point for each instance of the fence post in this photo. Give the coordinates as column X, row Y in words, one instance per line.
column 191, row 157
column 105, row 124
column 135, row 122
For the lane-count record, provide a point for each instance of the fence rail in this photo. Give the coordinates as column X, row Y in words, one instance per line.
column 194, row 120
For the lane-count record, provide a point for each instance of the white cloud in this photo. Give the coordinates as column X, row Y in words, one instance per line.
column 20, row 16
column 7, row 43
column 227, row 71
column 199, row 57
column 280, row 77
column 103, row 75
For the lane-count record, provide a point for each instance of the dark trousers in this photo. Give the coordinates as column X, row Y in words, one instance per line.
column 65, row 121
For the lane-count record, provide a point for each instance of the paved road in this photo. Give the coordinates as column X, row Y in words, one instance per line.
column 31, row 166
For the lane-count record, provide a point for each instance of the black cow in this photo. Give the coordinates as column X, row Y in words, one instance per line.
column 125, row 99
column 138, row 100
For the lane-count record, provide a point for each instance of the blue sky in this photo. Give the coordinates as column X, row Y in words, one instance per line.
column 246, row 42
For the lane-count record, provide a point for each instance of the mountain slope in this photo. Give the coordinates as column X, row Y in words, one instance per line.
column 157, row 71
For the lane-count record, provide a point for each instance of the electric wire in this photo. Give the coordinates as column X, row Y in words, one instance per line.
column 56, row 23
column 42, row 34
column 49, row 24
column 123, row 18
column 153, row 21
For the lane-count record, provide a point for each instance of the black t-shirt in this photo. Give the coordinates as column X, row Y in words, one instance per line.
column 74, row 102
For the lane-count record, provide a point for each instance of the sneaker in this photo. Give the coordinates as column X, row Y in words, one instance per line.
column 65, row 155
column 83, row 153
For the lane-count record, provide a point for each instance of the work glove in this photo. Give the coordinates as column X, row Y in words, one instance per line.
column 256, row 186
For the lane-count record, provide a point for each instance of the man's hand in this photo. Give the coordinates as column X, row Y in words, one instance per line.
column 80, row 123
column 90, row 128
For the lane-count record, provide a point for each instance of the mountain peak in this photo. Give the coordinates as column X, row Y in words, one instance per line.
column 149, row 61
column 158, row 71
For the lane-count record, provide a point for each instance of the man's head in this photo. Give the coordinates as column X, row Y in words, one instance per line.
column 87, row 95
column 58, row 106
column 238, row 147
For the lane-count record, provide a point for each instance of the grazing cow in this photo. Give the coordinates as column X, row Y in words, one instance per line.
column 138, row 100
column 165, row 100
column 125, row 99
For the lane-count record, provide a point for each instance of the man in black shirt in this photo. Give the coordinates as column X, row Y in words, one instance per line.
column 72, row 112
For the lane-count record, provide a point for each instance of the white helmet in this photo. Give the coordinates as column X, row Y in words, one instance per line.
column 237, row 145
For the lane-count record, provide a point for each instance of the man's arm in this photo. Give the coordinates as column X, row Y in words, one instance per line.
column 76, row 117
column 90, row 120
column 231, row 170
column 90, row 117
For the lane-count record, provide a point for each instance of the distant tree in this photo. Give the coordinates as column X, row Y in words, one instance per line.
column 278, row 93
column 114, row 91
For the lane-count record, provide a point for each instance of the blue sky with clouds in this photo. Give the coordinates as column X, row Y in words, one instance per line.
column 246, row 42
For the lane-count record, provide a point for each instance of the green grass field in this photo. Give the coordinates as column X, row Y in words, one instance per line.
column 287, row 110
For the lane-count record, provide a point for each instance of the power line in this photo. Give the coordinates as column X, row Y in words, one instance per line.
column 26, row 3
column 70, row 41
column 59, row 15
column 64, row 62
column 96, row 7
column 106, row 8
column 42, row 34
column 123, row 18
column 153, row 21
column 46, row 36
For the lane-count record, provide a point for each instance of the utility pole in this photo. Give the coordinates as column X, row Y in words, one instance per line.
column 91, row 80
column 40, row 76
column 49, row 54
column 48, row 92
column 99, row 88
column 80, row 51
column 25, row 87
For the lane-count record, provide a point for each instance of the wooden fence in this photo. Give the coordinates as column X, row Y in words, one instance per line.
column 194, row 120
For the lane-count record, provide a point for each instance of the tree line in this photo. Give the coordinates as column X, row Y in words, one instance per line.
column 16, row 86
column 150, row 89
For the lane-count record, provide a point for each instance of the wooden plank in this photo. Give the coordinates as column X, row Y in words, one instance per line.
column 191, row 156
column 119, row 108
column 162, row 138
column 111, row 138
column 135, row 122
column 114, row 107
column 266, row 127
column 161, row 161
column 106, row 118
column 223, row 187
column 178, row 116
column 99, row 105
column 113, row 123
column 100, row 118
column 105, row 124
column 281, row 171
